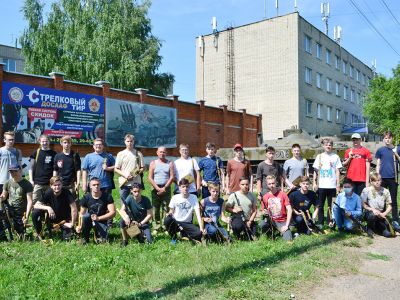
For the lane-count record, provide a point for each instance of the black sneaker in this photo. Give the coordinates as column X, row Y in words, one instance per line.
column 370, row 233
column 124, row 243
column 396, row 226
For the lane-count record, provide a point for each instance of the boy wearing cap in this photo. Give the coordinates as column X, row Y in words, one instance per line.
column 237, row 168
column 358, row 160
column 18, row 192
column 212, row 168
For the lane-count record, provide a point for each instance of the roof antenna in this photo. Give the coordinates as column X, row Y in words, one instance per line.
column 325, row 15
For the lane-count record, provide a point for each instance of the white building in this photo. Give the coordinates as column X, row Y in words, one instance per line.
column 285, row 69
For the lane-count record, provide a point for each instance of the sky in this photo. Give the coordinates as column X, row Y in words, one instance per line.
column 178, row 22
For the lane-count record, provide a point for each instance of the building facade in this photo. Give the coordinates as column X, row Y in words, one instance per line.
column 12, row 58
column 285, row 69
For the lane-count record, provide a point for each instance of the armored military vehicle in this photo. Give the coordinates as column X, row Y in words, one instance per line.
column 310, row 147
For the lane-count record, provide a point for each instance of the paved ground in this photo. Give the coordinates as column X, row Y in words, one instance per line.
column 378, row 277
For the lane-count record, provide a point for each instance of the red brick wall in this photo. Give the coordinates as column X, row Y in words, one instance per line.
column 197, row 123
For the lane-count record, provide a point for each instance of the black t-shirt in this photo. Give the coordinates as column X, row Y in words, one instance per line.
column 44, row 166
column 301, row 201
column 96, row 206
column 138, row 209
column 263, row 170
column 60, row 204
column 67, row 166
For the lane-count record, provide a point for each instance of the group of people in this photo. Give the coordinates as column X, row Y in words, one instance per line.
column 51, row 195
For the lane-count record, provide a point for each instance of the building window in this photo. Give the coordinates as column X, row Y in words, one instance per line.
column 319, row 111
column 318, row 79
column 308, row 75
column 307, row 44
column 329, row 85
column 329, row 114
column 346, row 117
column 345, row 93
column 337, row 115
column 337, row 62
column 358, row 98
column 352, row 95
column 367, row 81
column 363, row 79
column 337, row 89
column 358, row 75
column 328, row 56
column 351, row 71
column 11, row 65
column 319, row 51
column 308, row 108
column 344, row 67
column 353, row 119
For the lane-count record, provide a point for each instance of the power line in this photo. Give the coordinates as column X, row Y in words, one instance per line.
column 373, row 27
column 390, row 12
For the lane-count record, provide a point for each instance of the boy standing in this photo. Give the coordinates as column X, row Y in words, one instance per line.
column 326, row 169
column 237, row 168
column 213, row 170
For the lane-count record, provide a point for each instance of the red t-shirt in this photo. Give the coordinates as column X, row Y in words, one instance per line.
column 276, row 205
column 236, row 170
column 356, row 170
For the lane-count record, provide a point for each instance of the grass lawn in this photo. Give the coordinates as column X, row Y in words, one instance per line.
column 244, row 270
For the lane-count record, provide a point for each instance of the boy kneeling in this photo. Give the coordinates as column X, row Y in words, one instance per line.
column 276, row 204
column 180, row 215
column 213, row 208
column 136, row 210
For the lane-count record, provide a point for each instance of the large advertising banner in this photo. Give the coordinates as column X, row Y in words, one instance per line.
column 30, row 111
column 152, row 126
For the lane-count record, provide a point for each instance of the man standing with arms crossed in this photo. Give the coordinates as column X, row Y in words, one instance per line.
column 295, row 168
column 358, row 159
column 42, row 166
column 387, row 164
column 187, row 167
column 129, row 165
column 161, row 176
column 8, row 156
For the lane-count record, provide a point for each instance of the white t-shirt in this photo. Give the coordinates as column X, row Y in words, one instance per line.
column 186, row 167
column 183, row 207
column 326, row 164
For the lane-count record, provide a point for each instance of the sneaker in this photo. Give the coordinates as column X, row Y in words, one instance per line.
column 319, row 226
column 370, row 233
column 173, row 242
column 296, row 235
column 124, row 243
column 396, row 226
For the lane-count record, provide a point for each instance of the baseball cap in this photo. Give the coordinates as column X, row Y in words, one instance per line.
column 14, row 167
column 237, row 146
column 356, row 136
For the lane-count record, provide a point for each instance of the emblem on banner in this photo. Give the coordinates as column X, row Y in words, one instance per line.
column 94, row 105
column 15, row 94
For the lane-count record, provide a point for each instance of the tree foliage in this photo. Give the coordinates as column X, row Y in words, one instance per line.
column 91, row 40
column 382, row 106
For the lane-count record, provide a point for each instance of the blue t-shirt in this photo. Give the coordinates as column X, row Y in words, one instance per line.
column 209, row 167
column 213, row 210
column 350, row 203
column 93, row 164
column 385, row 154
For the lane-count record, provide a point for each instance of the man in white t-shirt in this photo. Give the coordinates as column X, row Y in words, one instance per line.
column 327, row 169
column 180, row 216
column 187, row 167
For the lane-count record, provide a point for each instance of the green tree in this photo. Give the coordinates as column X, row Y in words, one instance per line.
column 382, row 106
column 91, row 40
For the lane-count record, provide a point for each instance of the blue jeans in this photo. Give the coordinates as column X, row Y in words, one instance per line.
column 101, row 228
column 342, row 221
column 212, row 231
column 124, row 193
